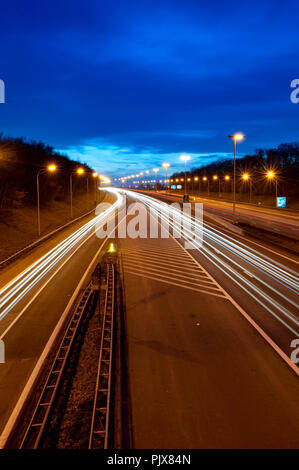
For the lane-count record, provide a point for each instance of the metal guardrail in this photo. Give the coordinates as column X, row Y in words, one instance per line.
column 42, row 412
column 99, row 430
column 32, row 245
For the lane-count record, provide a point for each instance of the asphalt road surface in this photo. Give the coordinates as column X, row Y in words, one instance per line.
column 34, row 292
column 202, row 374
column 280, row 221
column 208, row 334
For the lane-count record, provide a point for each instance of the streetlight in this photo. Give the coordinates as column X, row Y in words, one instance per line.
column 155, row 170
column 185, row 158
column 246, row 177
column 237, row 138
column 205, row 178
column 272, row 176
column 79, row 171
column 166, row 165
column 96, row 180
column 215, row 178
column 227, row 177
column 50, row 169
column 197, row 179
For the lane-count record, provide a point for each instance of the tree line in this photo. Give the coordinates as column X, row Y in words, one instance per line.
column 20, row 161
column 283, row 161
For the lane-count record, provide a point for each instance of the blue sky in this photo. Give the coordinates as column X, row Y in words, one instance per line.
column 126, row 85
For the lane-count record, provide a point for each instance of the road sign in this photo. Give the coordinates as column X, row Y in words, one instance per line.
column 281, row 202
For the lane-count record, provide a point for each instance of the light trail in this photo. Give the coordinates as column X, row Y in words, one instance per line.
column 15, row 290
column 232, row 251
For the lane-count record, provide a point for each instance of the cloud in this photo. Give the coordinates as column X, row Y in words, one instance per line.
column 124, row 85
column 108, row 158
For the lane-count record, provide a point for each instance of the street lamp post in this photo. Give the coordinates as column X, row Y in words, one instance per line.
column 79, row 171
column 227, row 177
column 236, row 137
column 197, row 179
column 166, row 165
column 96, row 179
column 155, row 170
column 51, row 169
column 205, row 178
column 215, row 178
column 246, row 177
column 272, row 176
column 185, row 158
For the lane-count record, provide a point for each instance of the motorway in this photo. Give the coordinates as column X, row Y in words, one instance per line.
column 35, row 291
column 208, row 335
column 275, row 220
column 208, row 331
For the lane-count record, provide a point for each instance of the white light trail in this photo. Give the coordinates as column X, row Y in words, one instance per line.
column 15, row 290
column 232, row 251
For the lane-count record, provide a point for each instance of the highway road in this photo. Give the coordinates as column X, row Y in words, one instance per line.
column 35, row 291
column 208, row 338
column 208, row 331
column 278, row 220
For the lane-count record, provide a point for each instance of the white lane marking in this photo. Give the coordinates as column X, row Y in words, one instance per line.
column 190, row 273
column 257, row 244
column 164, row 253
column 43, row 286
column 250, row 320
column 46, row 283
column 30, row 383
column 156, row 262
column 44, row 256
column 175, row 284
column 168, row 276
column 160, row 255
column 157, row 257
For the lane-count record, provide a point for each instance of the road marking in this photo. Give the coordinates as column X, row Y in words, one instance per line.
column 150, row 263
column 160, row 255
column 43, row 286
column 173, row 265
column 250, row 320
column 189, row 274
column 53, row 267
column 179, row 278
column 135, row 260
column 174, row 284
column 250, row 241
column 257, row 244
column 34, row 374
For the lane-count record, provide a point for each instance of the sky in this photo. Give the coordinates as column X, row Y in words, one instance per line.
column 127, row 85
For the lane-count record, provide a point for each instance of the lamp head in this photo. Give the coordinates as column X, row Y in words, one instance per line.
column 270, row 175
column 237, row 137
column 52, row 168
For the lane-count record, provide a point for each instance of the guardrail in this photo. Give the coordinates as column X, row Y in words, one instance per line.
column 37, row 242
column 99, row 430
column 42, row 412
